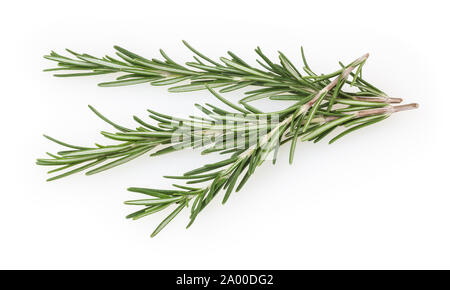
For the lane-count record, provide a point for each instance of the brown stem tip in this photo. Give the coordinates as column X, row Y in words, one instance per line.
column 386, row 110
column 394, row 100
column 405, row 107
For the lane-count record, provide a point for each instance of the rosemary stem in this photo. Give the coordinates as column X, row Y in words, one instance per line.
column 406, row 107
column 386, row 110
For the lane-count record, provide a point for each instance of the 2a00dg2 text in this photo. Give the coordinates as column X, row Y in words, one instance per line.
column 246, row 279
column 231, row 279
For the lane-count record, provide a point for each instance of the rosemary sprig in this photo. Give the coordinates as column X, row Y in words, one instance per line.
column 276, row 80
column 232, row 173
column 245, row 135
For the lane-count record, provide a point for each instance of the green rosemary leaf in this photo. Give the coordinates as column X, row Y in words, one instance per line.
column 376, row 120
column 129, row 53
column 169, row 81
column 298, row 126
column 121, row 138
column 236, row 87
column 69, row 61
column 169, row 60
column 324, row 134
column 169, row 218
column 128, row 76
column 139, row 213
column 191, row 176
column 83, row 74
column 237, row 59
column 166, row 68
column 76, row 170
column 125, row 82
column 360, row 103
column 233, row 178
column 148, row 211
column 225, row 101
column 261, row 95
column 160, row 193
column 212, row 166
column 120, row 161
column 118, row 127
column 116, row 61
column 244, row 180
column 186, row 187
column 305, row 63
column 151, row 127
column 243, row 68
column 148, row 134
column 103, row 63
column 275, row 68
column 199, row 54
column 141, row 72
column 67, row 68
column 335, row 92
column 195, row 87
column 358, row 72
column 313, row 111
column 251, row 108
column 362, row 120
column 326, row 127
column 211, row 69
column 201, row 180
column 286, row 98
column 153, row 201
column 287, row 64
column 66, row 161
column 102, row 150
column 64, row 144
column 167, row 150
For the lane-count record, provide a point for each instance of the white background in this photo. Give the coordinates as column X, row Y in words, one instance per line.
column 379, row 198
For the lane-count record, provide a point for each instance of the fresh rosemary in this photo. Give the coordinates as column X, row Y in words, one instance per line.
column 245, row 134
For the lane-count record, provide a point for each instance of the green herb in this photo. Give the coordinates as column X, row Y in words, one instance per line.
column 246, row 135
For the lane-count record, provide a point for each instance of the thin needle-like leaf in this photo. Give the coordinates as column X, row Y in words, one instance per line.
column 169, row 218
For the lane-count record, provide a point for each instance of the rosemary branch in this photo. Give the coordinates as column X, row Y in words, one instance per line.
column 245, row 134
column 274, row 79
